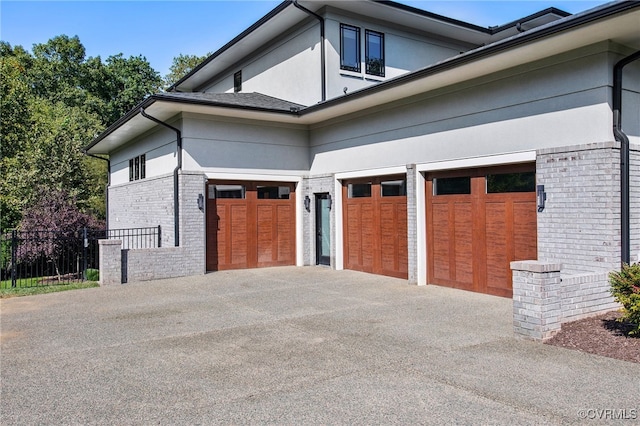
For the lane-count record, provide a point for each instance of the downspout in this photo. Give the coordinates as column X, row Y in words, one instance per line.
column 322, row 54
column 176, row 201
column 106, row 189
column 625, row 231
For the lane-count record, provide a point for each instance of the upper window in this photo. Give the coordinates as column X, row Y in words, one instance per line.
column 349, row 48
column 137, row 168
column 511, row 182
column 273, row 192
column 374, row 53
column 359, row 190
column 237, row 82
column 393, row 188
column 227, row 191
column 452, row 186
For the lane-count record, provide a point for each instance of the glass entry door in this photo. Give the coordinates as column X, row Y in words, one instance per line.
column 323, row 229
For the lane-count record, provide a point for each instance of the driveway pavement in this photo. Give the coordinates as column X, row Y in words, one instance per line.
column 293, row 346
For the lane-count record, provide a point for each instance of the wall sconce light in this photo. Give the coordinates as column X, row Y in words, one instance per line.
column 541, row 197
column 307, row 203
column 201, row 202
column 330, row 201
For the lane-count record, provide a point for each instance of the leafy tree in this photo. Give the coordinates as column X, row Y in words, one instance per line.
column 181, row 66
column 53, row 103
column 51, row 222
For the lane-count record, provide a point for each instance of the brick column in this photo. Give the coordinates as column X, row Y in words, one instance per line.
column 110, row 262
column 412, row 231
column 537, row 307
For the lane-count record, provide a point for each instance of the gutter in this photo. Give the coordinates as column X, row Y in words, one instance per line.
column 625, row 230
column 322, row 53
column 106, row 189
column 176, row 201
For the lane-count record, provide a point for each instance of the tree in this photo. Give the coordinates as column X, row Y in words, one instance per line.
column 181, row 66
column 53, row 103
column 50, row 223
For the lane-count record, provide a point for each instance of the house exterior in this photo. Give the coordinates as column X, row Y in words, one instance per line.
column 381, row 138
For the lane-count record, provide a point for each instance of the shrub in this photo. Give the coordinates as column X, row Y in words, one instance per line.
column 625, row 287
column 93, row 275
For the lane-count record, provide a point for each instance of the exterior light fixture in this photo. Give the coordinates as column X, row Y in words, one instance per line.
column 307, row 203
column 330, row 201
column 541, row 197
column 201, row 202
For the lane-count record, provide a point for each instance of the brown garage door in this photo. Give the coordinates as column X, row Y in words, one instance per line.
column 250, row 225
column 478, row 221
column 375, row 226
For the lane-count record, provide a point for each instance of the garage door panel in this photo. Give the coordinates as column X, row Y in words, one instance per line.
column 473, row 236
column 463, row 244
column 285, row 239
column 375, row 226
column 265, row 216
column 254, row 225
column 441, row 241
column 525, row 229
column 238, row 233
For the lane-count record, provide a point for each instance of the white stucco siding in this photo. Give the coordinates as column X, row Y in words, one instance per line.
column 287, row 69
column 159, row 148
column 535, row 106
column 211, row 145
column 404, row 51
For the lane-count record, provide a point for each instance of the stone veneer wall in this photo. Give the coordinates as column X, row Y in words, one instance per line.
column 578, row 238
column 310, row 187
column 168, row 261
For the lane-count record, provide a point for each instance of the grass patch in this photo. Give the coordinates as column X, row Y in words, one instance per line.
column 29, row 291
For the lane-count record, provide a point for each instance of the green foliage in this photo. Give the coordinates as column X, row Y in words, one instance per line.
column 181, row 66
column 6, row 291
column 93, row 275
column 54, row 102
column 625, row 287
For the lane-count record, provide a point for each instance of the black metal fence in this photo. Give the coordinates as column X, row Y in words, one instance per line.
column 40, row 258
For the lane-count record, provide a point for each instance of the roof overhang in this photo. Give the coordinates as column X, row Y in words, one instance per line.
column 617, row 22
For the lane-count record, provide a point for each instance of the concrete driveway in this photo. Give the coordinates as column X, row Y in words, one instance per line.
column 290, row 346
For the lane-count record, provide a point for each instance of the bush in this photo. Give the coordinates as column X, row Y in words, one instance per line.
column 93, row 275
column 625, row 287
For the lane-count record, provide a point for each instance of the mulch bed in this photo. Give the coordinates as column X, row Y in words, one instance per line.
column 600, row 335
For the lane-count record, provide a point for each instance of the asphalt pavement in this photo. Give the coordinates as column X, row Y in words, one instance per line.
column 293, row 346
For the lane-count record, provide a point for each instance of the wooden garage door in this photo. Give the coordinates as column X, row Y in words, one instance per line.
column 250, row 224
column 478, row 221
column 375, row 226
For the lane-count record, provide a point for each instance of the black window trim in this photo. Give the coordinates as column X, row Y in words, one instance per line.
column 357, row 68
column 366, row 53
column 237, row 81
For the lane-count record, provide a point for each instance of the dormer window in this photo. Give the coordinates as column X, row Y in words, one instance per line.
column 349, row 48
column 374, row 53
column 237, row 82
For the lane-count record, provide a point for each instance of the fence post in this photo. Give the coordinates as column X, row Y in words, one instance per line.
column 159, row 237
column 14, row 250
column 85, row 245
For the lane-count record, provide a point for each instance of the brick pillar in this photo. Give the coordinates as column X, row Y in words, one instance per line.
column 537, row 307
column 412, row 231
column 110, row 262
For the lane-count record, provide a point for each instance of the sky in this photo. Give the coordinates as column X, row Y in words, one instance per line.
column 161, row 30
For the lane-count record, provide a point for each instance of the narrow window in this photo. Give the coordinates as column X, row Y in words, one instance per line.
column 237, row 82
column 143, row 166
column 230, row 191
column 349, row 48
column 136, row 173
column 131, row 170
column 359, row 190
column 511, row 182
column 452, row 186
column 273, row 192
column 393, row 188
column 374, row 53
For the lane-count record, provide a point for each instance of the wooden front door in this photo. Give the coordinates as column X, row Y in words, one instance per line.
column 250, row 224
column 375, row 225
column 478, row 221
